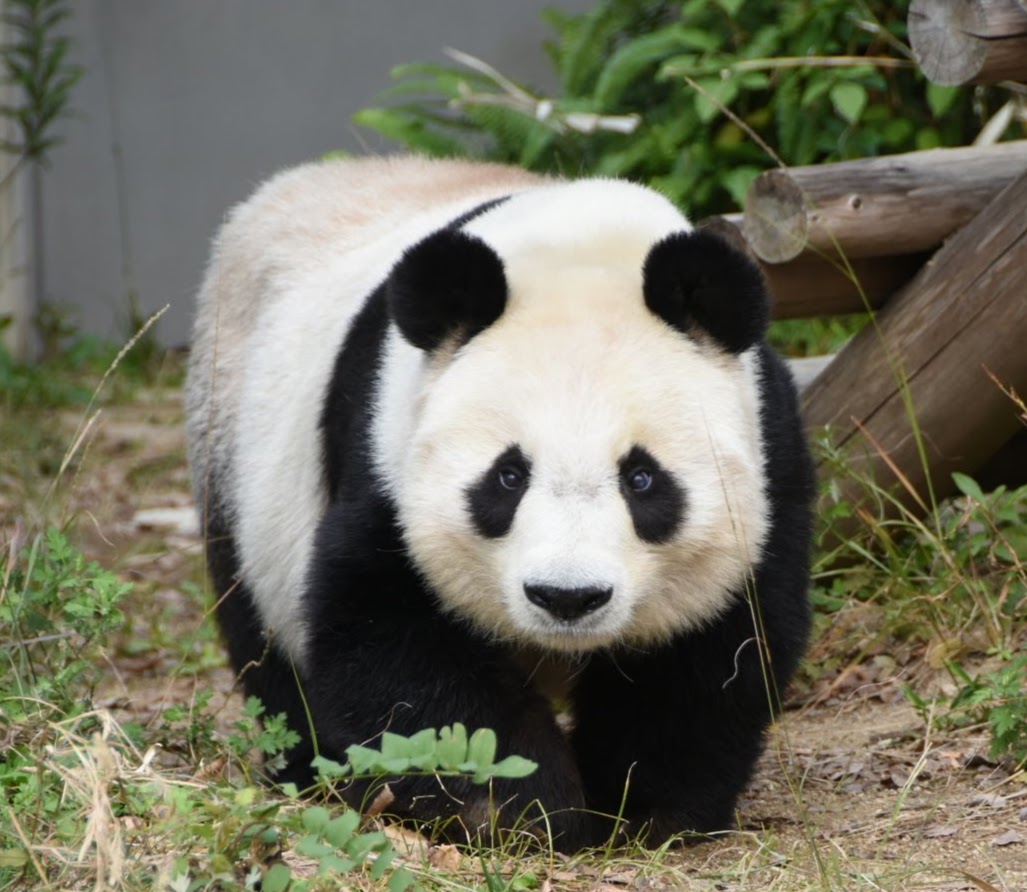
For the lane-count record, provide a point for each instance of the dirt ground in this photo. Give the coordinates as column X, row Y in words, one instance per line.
column 854, row 782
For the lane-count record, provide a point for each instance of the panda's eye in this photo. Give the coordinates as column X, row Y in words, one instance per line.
column 639, row 479
column 510, row 478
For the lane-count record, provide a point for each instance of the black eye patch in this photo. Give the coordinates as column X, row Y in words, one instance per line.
column 493, row 499
column 654, row 498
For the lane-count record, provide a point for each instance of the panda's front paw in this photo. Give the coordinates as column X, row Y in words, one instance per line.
column 485, row 819
column 681, row 825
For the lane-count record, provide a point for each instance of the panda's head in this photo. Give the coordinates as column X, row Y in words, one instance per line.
column 584, row 464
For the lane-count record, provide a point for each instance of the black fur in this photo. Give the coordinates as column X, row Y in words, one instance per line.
column 697, row 280
column 492, row 505
column 261, row 667
column 451, row 284
column 656, row 512
column 682, row 724
column 691, row 715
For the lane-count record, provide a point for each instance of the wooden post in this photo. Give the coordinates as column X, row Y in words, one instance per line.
column 819, row 286
column 877, row 207
column 963, row 316
column 969, row 41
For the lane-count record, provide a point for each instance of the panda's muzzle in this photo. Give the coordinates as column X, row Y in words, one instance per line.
column 568, row 604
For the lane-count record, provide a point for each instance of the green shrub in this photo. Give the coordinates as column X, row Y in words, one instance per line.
column 694, row 98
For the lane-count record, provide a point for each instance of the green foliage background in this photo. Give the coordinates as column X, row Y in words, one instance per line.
column 808, row 81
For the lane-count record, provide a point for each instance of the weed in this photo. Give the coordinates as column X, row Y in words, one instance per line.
column 997, row 699
column 59, row 608
column 956, row 579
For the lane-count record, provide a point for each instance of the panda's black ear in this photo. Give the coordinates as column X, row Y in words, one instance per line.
column 697, row 280
column 448, row 285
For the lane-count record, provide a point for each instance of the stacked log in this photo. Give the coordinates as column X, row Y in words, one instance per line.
column 970, row 41
column 876, row 207
column 812, row 285
column 917, row 389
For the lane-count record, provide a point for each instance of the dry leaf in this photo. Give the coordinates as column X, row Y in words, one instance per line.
column 983, row 885
column 382, row 801
column 1009, row 838
column 444, row 857
column 992, row 799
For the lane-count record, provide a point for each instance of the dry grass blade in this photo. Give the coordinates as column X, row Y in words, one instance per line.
column 90, row 419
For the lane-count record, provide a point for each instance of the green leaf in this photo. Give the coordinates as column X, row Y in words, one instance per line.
column 404, row 126
column 382, row 862
column 422, row 749
column 277, row 878
column 340, row 830
column 362, row 844
column 513, row 767
column 940, row 99
column 362, row 759
column 315, row 818
column 336, row 863
column 928, row 138
column 820, row 82
column 312, row 847
column 849, row 100
column 452, row 748
column 967, row 486
column 481, row 749
column 731, row 7
column 715, row 94
column 15, row 858
column 401, row 880
column 328, row 768
column 629, row 62
column 394, row 746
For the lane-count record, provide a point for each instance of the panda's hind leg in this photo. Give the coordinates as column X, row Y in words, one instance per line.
column 261, row 669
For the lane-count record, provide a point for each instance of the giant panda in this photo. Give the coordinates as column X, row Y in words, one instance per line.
column 468, row 441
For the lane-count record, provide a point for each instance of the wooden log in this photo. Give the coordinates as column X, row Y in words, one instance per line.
column 819, row 286
column 876, row 207
column 969, row 41
column 932, row 349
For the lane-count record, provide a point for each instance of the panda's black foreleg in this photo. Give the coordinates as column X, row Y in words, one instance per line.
column 682, row 736
column 401, row 673
column 383, row 658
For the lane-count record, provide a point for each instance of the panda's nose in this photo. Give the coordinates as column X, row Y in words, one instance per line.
column 567, row 603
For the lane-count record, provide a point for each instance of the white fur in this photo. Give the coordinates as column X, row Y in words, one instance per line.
column 576, row 390
column 576, row 372
column 291, row 268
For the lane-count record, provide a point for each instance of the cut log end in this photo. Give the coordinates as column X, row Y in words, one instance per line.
column 776, row 224
column 945, row 42
column 972, row 41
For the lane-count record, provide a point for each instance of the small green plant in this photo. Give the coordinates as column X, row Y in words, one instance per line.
column 447, row 752
column 268, row 735
column 58, row 609
column 957, row 578
column 996, row 699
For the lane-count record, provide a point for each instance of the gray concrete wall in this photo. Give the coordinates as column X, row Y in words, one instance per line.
column 186, row 104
